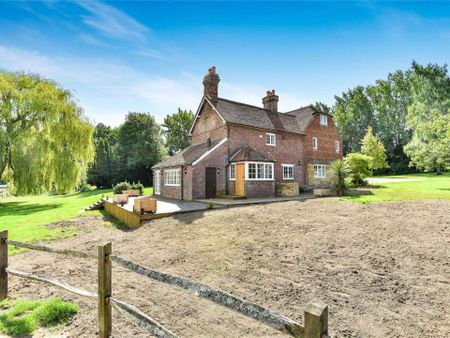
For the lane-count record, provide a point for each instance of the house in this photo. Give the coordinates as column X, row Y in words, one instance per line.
column 243, row 150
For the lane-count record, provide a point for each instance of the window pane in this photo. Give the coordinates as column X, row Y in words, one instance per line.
column 269, row 171
column 260, row 170
column 252, row 170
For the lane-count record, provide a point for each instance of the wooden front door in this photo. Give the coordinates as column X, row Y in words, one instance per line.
column 239, row 183
column 210, row 182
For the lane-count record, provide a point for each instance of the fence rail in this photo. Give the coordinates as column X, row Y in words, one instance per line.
column 315, row 314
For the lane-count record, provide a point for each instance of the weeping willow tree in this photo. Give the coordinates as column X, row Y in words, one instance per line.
column 45, row 140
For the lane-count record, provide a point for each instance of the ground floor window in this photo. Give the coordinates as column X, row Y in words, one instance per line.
column 172, row 177
column 259, row 171
column 319, row 171
column 232, row 171
column 288, row 171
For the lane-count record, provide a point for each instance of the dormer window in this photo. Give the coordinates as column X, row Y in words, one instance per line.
column 271, row 139
column 323, row 120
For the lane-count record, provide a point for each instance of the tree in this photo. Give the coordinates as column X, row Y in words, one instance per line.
column 323, row 107
column 176, row 130
column 429, row 117
column 359, row 167
column 45, row 140
column 140, row 146
column 373, row 147
column 390, row 99
column 104, row 169
column 353, row 114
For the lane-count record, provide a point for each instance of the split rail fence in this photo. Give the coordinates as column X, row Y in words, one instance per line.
column 315, row 313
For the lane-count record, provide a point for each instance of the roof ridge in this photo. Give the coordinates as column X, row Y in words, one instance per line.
column 253, row 106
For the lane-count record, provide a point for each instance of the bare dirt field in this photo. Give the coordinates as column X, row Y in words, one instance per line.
column 383, row 269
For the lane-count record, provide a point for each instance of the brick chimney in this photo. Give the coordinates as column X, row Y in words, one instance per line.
column 270, row 101
column 211, row 84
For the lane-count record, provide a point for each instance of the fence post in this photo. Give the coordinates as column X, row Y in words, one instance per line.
column 3, row 264
column 104, row 291
column 316, row 319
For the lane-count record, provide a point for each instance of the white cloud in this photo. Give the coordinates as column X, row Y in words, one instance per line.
column 113, row 22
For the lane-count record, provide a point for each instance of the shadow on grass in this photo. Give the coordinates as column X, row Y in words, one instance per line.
column 23, row 208
column 90, row 193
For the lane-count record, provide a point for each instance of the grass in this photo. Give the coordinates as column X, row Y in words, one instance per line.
column 24, row 317
column 426, row 186
column 25, row 217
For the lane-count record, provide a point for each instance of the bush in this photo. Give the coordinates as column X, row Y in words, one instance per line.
column 138, row 186
column 359, row 167
column 341, row 171
column 119, row 187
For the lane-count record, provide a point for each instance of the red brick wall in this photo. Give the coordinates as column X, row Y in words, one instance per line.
column 208, row 125
column 259, row 188
column 326, row 135
column 288, row 149
column 170, row 191
column 218, row 158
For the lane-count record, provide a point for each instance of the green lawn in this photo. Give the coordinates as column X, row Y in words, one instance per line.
column 25, row 217
column 424, row 187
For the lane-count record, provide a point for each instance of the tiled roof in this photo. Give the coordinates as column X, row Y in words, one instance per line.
column 252, row 116
column 248, row 154
column 187, row 155
column 303, row 116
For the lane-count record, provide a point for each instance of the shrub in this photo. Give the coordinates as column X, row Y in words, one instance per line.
column 341, row 171
column 119, row 187
column 139, row 186
column 359, row 167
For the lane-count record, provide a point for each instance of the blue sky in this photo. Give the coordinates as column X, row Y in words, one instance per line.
column 151, row 56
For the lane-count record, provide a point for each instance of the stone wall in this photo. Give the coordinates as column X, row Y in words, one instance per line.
column 286, row 189
column 314, row 182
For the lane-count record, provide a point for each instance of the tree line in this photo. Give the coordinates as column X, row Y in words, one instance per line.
column 127, row 152
column 409, row 113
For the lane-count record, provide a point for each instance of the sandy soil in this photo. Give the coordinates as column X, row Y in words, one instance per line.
column 384, row 269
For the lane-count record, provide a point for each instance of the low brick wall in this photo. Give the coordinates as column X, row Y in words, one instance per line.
column 286, row 189
column 260, row 188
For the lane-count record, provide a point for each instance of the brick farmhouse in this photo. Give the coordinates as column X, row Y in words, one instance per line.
column 243, row 150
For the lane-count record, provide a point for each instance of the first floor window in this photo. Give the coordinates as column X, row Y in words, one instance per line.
column 288, row 171
column 271, row 139
column 232, row 171
column 172, row 177
column 260, row 171
column 323, row 120
column 315, row 143
column 319, row 171
column 337, row 146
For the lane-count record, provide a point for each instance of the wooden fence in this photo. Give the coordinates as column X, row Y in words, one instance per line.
column 315, row 314
column 125, row 216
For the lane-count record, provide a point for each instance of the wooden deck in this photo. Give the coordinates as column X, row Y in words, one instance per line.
column 164, row 207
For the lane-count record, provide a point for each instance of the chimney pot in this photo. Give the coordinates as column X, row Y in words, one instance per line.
column 211, row 84
column 270, row 101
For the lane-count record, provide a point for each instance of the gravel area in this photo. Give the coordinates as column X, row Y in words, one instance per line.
column 384, row 269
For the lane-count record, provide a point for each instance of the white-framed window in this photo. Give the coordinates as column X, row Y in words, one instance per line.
column 315, row 143
column 337, row 146
column 323, row 120
column 271, row 139
column 319, row 171
column 288, row 171
column 259, row 171
column 232, row 171
column 172, row 177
